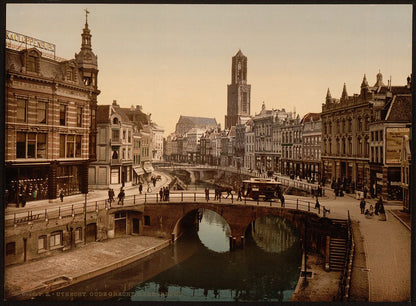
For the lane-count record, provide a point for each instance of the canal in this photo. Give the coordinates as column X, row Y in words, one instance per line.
column 201, row 267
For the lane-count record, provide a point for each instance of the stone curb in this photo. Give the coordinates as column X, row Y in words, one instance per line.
column 45, row 288
column 401, row 221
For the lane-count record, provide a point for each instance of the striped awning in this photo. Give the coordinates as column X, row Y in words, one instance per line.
column 139, row 170
column 148, row 168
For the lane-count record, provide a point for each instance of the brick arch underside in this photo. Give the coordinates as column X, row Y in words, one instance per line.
column 240, row 217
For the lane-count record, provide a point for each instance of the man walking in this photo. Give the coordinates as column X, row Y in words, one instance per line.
column 362, row 205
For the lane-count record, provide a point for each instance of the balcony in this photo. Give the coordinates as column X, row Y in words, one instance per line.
column 116, row 142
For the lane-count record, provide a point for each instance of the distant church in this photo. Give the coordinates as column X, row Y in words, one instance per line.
column 238, row 100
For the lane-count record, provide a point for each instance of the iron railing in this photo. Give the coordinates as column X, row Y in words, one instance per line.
column 72, row 210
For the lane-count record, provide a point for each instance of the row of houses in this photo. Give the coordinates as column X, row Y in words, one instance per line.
column 128, row 142
column 355, row 142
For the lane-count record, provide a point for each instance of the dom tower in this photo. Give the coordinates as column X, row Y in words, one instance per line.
column 238, row 100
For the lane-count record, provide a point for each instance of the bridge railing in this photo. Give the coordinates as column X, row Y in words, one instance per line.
column 76, row 209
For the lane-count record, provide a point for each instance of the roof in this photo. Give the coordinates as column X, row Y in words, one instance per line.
column 400, row 109
column 311, row 116
column 201, row 121
column 103, row 113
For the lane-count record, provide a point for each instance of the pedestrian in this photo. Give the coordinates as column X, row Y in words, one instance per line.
column 120, row 197
column 282, row 200
column 161, row 194
column 61, row 195
column 362, row 205
column 216, row 193
column 206, row 193
column 22, row 199
column 365, row 192
column 140, row 188
column 239, row 194
column 109, row 195
column 154, row 181
column 318, row 206
column 378, row 204
column 167, row 193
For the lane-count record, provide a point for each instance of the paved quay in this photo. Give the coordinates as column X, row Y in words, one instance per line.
column 93, row 259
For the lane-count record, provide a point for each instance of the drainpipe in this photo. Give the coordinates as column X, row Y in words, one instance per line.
column 328, row 241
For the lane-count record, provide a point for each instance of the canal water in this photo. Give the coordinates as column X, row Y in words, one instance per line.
column 201, row 267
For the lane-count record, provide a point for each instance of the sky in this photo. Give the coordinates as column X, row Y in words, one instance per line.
column 176, row 59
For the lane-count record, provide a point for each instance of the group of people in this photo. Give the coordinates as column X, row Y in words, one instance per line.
column 164, row 194
column 121, row 195
column 379, row 208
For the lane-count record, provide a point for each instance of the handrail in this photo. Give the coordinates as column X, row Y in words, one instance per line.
column 66, row 211
column 345, row 281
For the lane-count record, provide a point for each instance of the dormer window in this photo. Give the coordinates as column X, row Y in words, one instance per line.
column 70, row 74
column 32, row 61
column 115, row 120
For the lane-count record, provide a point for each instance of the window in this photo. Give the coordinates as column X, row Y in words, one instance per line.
column 62, row 114
column 124, row 134
column 70, row 145
column 78, row 146
column 115, row 120
column 21, row 145
column 11, row 248
column 70, row 74
column 79, row 116
column 146, row 220
column 129, row 137
column 42, row 243
column 21, row 115
column 62, row 145
column 78, row 234
column 55, row 239
column 30, row 145
column 31, row 62
column 41, row 112
column 41, row 146
column 115, row 134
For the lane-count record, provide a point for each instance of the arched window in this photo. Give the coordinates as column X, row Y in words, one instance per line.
column 115, row 120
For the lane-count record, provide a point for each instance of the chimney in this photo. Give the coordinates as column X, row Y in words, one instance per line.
column 139, row 107
column 115, row 103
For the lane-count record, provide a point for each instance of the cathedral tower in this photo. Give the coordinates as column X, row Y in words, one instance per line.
column 238, row 100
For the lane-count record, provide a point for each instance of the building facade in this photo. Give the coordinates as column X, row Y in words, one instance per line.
column 50, row 119
column 346, row 136
column 238, row 92
column 113, row 167
column 311, row 146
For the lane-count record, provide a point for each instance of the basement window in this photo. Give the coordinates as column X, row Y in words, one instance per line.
column 11, row 248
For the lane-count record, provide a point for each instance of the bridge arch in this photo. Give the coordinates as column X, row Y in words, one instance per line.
column 239, row 217
column 193, row 217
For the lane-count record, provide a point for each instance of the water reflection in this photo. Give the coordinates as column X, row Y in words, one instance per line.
column 214, row 231
column 273, row 234
column 190, row 271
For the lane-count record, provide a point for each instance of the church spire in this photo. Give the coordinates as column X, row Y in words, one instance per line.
column 364, row 83
column 344, row 94
column 328, row 94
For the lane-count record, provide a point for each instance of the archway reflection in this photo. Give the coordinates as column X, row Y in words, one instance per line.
column 273, row 234
column 213, row 231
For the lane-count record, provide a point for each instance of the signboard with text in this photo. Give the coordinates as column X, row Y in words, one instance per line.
column 394, row 138
column 30, row 41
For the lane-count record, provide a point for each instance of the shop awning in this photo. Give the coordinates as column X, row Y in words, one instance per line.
column 148, row 168
column 139, row 170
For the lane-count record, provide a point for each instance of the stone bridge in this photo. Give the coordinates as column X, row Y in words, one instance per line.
column 169, row 220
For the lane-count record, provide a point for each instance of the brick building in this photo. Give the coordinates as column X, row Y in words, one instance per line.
column 50, row 127
column 349, row 125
